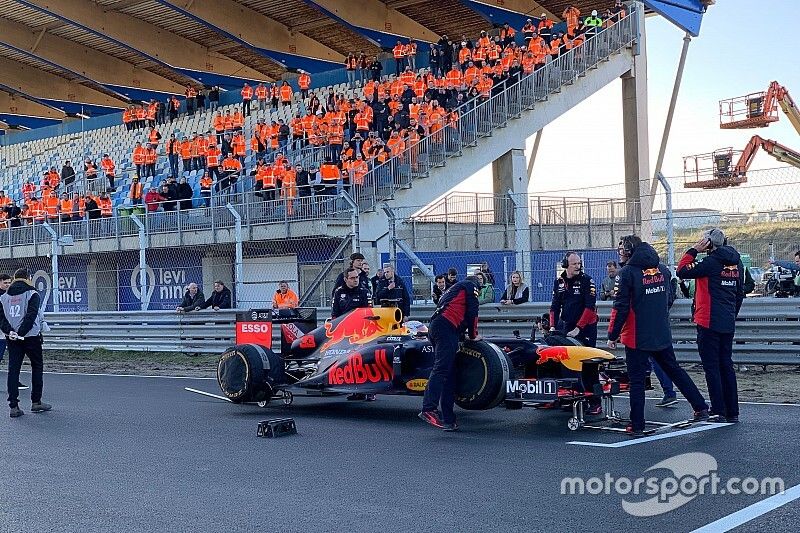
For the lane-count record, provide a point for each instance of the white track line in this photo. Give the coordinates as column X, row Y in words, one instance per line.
column 642, row 440
column 116, row 375
column 204, row 393
column 751, row 512
column 622, row 396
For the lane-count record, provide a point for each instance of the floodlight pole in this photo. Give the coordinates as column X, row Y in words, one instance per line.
column 53, row 263
column 669, row 221
column 687, row 39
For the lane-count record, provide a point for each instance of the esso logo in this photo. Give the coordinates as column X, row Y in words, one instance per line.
column 255, row 328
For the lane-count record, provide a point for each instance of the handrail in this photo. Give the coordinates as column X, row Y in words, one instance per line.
column 479, row 119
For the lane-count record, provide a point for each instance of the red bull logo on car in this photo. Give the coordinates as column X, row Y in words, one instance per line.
column 357, row 327
column 354, row 371
column 551, row 353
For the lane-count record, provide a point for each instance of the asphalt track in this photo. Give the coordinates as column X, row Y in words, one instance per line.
column 141, row 454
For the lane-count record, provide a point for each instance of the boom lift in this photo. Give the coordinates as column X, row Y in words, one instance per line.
column 717, row 169
column 758, row 110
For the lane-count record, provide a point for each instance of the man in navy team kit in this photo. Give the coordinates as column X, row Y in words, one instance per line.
column 640, row 320
column 719, row 292
column 457, row 314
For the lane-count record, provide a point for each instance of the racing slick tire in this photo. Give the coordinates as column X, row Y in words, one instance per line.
column 249, row 373
column 482, row 371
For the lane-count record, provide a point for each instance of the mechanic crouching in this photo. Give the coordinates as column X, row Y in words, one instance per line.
column 640, row 320
column 456, row 314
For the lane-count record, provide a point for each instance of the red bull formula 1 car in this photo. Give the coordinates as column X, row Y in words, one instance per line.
column 371, row 351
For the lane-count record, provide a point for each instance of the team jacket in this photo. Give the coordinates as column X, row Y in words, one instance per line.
column 643, row 294
column 400, row 292
column 573, row 302
column 459, row 306
column 346, row 299
column 363, row 282
column 719, row 287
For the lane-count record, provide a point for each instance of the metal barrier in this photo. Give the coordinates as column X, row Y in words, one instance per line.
column 768, row 330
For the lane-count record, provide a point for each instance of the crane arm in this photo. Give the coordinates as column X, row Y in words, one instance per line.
column 788, row 106
column 776, row 150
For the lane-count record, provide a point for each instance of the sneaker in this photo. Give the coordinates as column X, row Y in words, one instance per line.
column 667, row 401
column 40, row 407
column 356, row 396
column 732, row 419
column 594, row 410
column 450, row 427
column 634, row 432
column 16, row 412
column 22, row 386
column 700, row 416
column 432, row 418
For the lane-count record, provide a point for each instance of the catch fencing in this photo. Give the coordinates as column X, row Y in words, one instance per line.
column 767, row 331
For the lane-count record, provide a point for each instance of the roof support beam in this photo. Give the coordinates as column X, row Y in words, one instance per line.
column 524, row 7
column 87, row 62
column 15, row 104
column 377, row 16
column 254, row 29
column 37, row 83
column 400, row 4
column 152, row 41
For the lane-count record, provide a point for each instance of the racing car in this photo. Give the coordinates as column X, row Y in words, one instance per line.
column 371, row 351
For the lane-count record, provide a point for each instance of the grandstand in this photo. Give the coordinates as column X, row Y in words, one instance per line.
column 490, row 125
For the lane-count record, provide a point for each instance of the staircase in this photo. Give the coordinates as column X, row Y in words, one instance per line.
column 487, row 130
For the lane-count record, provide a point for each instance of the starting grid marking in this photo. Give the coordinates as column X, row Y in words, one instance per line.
column 751, row 512
column 204, row 393
column 643, row 440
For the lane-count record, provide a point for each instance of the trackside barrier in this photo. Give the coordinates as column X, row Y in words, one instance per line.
column 768, row 330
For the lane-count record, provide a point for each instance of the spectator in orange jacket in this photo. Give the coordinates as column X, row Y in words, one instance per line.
column 284, row 298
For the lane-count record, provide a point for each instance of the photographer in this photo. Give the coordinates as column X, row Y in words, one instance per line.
column 719, row 292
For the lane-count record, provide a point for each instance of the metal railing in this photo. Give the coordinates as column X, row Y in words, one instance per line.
column 254, row 213
column 479, row 117
column 766, row 332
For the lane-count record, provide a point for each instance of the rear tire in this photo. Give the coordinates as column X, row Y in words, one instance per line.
column 482, row 371
column 249, row 373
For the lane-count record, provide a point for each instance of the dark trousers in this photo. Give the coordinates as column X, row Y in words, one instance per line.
column 441, row 387
column 214, row 173
column 588, row 335
column 716, row 354
column 638, row 362
column 110, row 180
column 206, row 195
column 666, row 383
column 173, row 165
column 17, row 350
column 245, row 107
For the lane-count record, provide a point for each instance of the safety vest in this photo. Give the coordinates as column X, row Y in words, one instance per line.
column 191, row 92
column 91, row 170
column 304, row 81
column 362, row 124
column 453, row 79
column 411, row 49
column 150, row 156
column 261, row 92
column 186, row 149
column 266, row 176
column 51, row 206
column 205, row 183
column 231, row 165
column 105, row 206
column 288, row 300
column 247, row 93
column 350, row 63
column 28, row 190
column 107, row 164
column 399, row 51
column 238, row 145
column 359, row 169
column 286, row 93
column 329, row 172
column 407, row 78
column 593, row 22
column 138, row 155
column 237, row 119
column 136, row 191
column 65, row 206
column 212, row 156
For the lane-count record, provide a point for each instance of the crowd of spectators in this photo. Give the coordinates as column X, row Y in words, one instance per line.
column 380, row 119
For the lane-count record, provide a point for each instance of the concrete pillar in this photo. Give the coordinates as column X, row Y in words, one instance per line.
column 635, row 136
column 510, row 173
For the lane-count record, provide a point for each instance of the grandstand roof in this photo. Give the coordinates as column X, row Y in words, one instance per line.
column 74, row 55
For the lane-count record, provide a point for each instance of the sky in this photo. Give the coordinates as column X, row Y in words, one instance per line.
column 739, row 51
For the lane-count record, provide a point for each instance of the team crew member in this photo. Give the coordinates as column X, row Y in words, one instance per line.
column 285, row 298
column 456, row 314
column 719, row 291
column 357, row 262
column 640, row 320
column 574, row 298
column 391, row 287
column 22, row 321
column 351, row 295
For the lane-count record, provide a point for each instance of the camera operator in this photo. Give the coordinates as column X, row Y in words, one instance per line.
column 643, row 295
column 719, row 292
